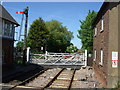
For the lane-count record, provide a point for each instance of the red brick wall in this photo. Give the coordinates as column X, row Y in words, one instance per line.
column 101, row 42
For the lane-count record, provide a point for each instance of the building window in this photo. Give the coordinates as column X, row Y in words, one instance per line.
column 0, row 26
column 102, row 24
column 95, row 53
column 5, row 29
column 95, row 32
column 101, row 57
column 11, row 30
column 8, row 29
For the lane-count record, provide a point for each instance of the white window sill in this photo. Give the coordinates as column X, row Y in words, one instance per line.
column 100, row 63
column 101, row 30
column 95, row 35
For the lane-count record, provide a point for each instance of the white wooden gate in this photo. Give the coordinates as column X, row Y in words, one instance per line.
column 50, row 58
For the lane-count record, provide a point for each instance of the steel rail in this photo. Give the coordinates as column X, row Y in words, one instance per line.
column 55, row 78
column 28, row 80
column 71, row 80
column 52, row 80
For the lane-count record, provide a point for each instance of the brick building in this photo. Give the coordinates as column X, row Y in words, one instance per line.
column 106, row 40
column 7, row 30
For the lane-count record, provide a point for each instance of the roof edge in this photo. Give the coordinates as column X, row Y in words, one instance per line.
column 100, row 11
column 9, row 17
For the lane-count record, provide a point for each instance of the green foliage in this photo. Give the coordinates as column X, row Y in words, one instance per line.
column 59, row 38
column 39, row 56
column 19, row 62
column 19, row 46
column 50, row 35
column 37, row 36
column 117, row 87
column 86, row 31
column 72, row 49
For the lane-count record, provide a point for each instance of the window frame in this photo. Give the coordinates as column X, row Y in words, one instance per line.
column 9, row 34
column 101, row 56
column 95, row 55
column 102, row 24
column 95, row 31
column 3, row 23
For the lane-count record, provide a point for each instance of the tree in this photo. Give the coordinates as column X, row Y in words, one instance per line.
column 19, row 46
column 72, row 49
column 38, row 35
column 51, row 35
column 86, row 31
column 59, row 38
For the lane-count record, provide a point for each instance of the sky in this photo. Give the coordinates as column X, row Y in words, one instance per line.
column 69, row 13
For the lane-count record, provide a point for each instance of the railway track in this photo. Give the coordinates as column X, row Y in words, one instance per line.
column 56, row 78
column 50, row 78
column 64, row 80
column 27, row 80
column 45, row 79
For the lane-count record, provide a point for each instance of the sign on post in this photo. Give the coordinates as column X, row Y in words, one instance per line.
column 114, row 59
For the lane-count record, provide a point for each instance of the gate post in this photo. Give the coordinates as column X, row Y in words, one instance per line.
column 28, row 54
column 85, row 58
column 46, row 55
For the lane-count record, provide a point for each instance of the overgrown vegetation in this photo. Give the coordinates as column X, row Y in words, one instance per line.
column 117, row 86
column 86, row 31
column 59, row 38
column 37, row 36
column 19, row 46
column 71, row 49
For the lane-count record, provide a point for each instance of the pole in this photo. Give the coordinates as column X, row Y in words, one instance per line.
column 85, row 58
column 25, row 35
column 28, row 54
